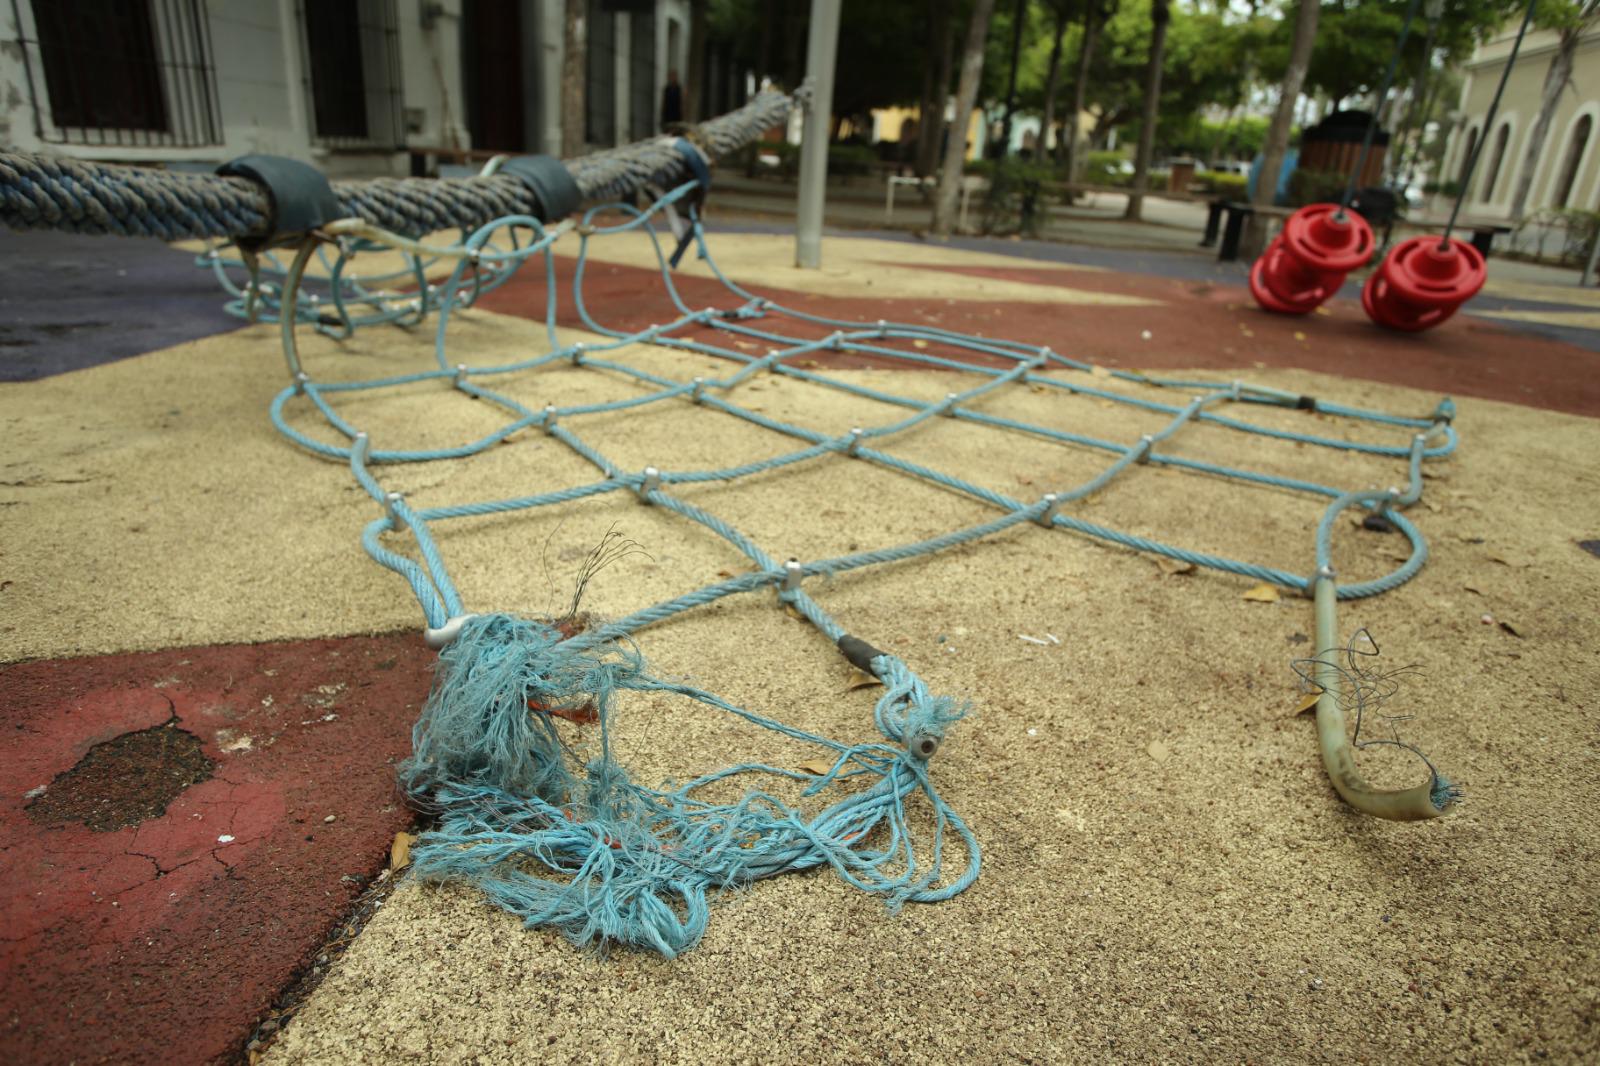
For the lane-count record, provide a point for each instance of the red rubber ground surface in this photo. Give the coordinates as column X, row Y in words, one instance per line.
column 1197, row 325
column 161, row 942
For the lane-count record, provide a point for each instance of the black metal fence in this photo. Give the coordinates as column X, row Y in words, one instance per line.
column 119, row 73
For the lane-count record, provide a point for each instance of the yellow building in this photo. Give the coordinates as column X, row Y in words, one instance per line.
column 1567, row 170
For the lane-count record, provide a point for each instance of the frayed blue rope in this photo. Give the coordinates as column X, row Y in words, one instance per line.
column 576, row 845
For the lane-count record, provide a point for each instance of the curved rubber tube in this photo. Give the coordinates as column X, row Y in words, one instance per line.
column 1338, row 754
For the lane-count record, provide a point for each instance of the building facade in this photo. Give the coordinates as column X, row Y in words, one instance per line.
column 351, row 86
column 1567, row 170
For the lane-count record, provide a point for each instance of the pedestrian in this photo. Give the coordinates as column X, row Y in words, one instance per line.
column 671, row 101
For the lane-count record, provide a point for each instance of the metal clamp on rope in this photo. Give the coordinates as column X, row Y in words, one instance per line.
column 1141, row 454
column 1328, row 572
column 299, row 198
column 550, row 418
column 1052, row 505
column 441, row 637
column 550, row 182
column 792, row 573
column 650, row 483
column 698, row 393
column 391, row 508
column 854, row 447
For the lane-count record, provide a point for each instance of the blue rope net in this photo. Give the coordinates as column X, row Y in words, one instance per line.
column 552, row 828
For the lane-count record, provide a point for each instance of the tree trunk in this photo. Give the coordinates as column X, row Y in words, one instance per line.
column 1160, row 14
column 1080, row 90
column 936, row 92
column 574, row 67
column 944, row 205
column 1019, row 16
column 1555, row 80
column 1052, row 76
column 1277, row 142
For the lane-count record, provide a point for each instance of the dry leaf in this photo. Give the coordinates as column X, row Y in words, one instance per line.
column 1323, row 311
column 1159, row 751
column 1099, row 371
column 1307, row 704
column 1514, row 562
column 400, row 850
column 1107, row 404
column 860, row 679
column 1474, row 591
column 1262, row 593
column 820, row 767
column 919, row 344
column 724, row 573
column 789, row 609
column 1299, row 336
column 1509, row 628
column 1174, row 566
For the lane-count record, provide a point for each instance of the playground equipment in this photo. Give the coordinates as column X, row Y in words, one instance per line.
column 530, row 808
column 1307, row 262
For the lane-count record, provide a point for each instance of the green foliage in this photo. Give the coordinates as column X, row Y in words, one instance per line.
column 1356, row 39
column 1105, row 168
column 844, row 159
column 1231, row 186
column 1015, row 199
column 1315, row 187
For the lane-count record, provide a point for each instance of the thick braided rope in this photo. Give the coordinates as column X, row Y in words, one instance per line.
column 47, row 192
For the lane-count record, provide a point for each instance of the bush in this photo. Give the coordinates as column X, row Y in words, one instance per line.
column 1443, row 188
column 1105, row 168
column 844, row 160
column 1215, row 183
column 1315, row 187
column 1014, row 202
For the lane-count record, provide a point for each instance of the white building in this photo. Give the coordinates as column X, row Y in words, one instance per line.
column 352, row 86
column 1567, row 169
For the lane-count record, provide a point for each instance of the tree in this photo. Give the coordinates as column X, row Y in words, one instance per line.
column 944, row 204
column 1061, row 9
column 1571, row 19
column 1160, row 13
column 1019, row 18
column 936, row 88
column 1094, row 14
column 574, row 64
column 1277, row 146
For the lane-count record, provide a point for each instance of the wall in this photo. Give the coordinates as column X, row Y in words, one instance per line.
column 1520, row 107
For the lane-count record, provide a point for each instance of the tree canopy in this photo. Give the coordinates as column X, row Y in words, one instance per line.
column 1223, row 59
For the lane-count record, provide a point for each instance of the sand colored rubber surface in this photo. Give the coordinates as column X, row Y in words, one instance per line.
column 1168, row 874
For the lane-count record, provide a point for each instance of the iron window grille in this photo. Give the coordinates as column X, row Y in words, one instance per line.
column 119, row 73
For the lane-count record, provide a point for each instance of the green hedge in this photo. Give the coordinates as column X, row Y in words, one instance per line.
column 1215, row 183
column 1315, row 187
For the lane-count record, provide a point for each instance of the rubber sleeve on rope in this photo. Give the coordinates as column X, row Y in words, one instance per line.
column 550, row 182
column 702, row 174
column 1306, row 403
column 859, row 653
column 300, row 196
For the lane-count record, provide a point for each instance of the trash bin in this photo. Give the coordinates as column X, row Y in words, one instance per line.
column 1181, row 174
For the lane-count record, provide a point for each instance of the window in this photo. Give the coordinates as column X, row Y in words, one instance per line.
column 120, row 72
column 1567, row 176
column 1466, row 158
column 1496, row 157
column 353, row 72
